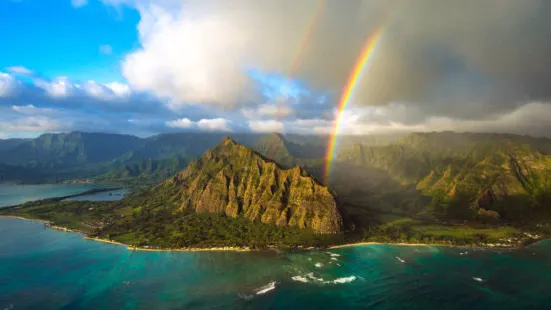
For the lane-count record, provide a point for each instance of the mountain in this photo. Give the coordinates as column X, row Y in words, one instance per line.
column 85, row 155
column 145, row 171
column 288, row 154
column 454, row 175
column 435, row 188
column 10, row 143
column 236, row 181
column 66, row 150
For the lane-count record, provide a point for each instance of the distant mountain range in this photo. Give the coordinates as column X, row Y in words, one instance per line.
column 460, row 188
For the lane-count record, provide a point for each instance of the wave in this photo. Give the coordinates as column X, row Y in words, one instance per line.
column 334, row 258
column 464, row 253
column 400, row 259
column 477, row 279
column 344, row 280
column 245, row 296
column 333, row 254
column 300, row 279
column 311, row 276
column 266, row 288
column 318, row 265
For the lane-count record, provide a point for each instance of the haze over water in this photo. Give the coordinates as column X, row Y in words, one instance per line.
column 47, row 269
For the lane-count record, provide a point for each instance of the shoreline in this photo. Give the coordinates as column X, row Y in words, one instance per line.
column 246, row 249
column 347, row 245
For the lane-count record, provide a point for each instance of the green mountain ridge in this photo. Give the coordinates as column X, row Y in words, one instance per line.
column 236, row 181
column 444, row 188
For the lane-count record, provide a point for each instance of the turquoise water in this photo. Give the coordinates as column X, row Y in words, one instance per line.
column 12, row 194
column 46, row 269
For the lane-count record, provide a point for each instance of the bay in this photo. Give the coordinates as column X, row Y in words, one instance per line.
column 13, row 194
column 42, row 268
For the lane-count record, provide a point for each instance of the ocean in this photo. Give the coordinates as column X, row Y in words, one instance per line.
column 42, row 268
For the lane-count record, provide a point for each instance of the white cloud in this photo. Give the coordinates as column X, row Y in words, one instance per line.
column 106, row 49
column 180, row 123
column 79, row 3
column 59, row 87
column 111, row 91
column 269, row 110
column 8, row 85
column 119, row 89
column 62, row 87
column 213, row 124
column 31, row 110
column 20, row 70
column 31, row 124
column 266, row 126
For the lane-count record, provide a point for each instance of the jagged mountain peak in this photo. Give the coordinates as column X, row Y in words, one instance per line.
column 236, row 181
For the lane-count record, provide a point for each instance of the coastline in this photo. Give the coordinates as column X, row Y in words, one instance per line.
column 347, row 245
column 246, row 249
column 25, row 219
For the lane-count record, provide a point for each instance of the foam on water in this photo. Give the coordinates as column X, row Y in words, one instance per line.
column 344, row 280
column 300, row 279
column 304, row 279
column 266, row 288
column 477, row 279
column 318, row 265
column 400, row 259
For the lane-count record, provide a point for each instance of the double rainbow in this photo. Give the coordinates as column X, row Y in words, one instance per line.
column 348, row 92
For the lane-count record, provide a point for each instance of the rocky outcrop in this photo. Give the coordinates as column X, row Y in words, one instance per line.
column 236, row 181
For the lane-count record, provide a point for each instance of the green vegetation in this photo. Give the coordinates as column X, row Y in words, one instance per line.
column 437, row 188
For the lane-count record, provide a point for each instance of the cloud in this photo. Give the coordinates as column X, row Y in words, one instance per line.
column 181, row 123
column 442, row 54
column 106, row 49
column 38, row 124
column 31, row 110
column 8, row 85
column 79, row 3
column 20, row 70
column 270, row 110
column 266, row 126
column 58, row 87
column 111, row 91
column 215, row 124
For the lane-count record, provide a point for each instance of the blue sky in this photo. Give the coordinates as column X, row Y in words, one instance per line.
column 56, row 39
column 151, row 66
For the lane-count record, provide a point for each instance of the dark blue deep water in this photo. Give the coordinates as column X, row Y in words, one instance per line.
column 46, row 269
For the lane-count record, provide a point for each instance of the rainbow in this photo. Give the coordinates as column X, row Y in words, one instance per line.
column 357, row 72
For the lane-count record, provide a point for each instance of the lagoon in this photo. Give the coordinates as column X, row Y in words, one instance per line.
column 13, row 194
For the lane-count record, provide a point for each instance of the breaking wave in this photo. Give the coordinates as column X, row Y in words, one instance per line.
column 344, row 280
column 266, row 288
column 310, row 276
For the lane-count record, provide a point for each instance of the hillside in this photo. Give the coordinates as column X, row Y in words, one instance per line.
column 236, row 181
column 462, row 176
column 145, row 171
column 485, row 190
column 55, row 157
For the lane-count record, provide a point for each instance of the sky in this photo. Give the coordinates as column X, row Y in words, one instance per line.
column 145, row 67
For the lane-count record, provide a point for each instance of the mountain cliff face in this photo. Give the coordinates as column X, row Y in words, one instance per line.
column 235, row 180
